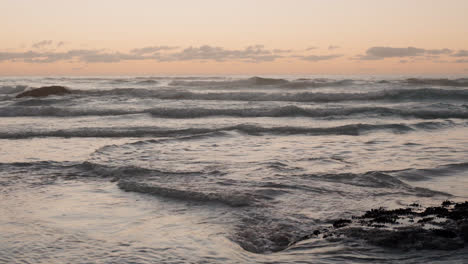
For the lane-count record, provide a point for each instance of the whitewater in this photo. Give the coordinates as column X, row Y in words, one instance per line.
column 225, row 169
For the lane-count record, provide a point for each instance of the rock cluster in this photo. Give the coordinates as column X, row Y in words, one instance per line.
column 443, row 227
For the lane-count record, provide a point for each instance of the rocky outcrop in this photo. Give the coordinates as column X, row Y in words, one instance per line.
column 45, row 91
column 443, row 227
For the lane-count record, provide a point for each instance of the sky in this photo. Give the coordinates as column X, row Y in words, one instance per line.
column 152, row 37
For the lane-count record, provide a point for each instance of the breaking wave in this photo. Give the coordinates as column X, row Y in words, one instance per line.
column 223, row 197
column 462, row 82
column 377, row 179
column 284, row 111
column 6, row 89
column 351, row 129
column 61, row 112
column 397, row 94
column 290, row 111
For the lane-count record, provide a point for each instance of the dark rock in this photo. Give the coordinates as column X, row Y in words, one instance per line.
column 451, row 234
column 407, row 238
column 439, row 211
column 281, row 241
column 464, row 231
column 341, row 223
column 447, row 203
column 447, row 233
column 460, row 211
column 425, row 220
column 45, row 91
column 386, row 216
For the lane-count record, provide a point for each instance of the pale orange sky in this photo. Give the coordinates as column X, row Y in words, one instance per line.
column 100, row 37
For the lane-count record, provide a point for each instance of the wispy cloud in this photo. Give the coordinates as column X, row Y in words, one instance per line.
column 380, row 53
column 439, row 51
column 151, row 49
column 47, row 51
column 333, row 47
column 319, row 57
column 461, row 53
column 282, row 50
column 255, row 54
column 60, row 44
column 42, row 44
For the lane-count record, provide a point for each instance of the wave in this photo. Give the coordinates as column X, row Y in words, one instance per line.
column 32, row 109
column 291, row 111
column 250, row 129
column 12, row 89
column 223, row 197
column 259, row 81
column 391, row 95
column 378, row 180
column 60, row 112
column 462, row 82
column 255, row 81
column 428, row 173
column 148, row 82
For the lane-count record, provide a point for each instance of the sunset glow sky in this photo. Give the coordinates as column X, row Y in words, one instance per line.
column 112, row 37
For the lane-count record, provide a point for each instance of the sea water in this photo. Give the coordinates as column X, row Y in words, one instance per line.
column 231, row 169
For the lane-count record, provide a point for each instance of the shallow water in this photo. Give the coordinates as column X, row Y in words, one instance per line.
column 222, row 169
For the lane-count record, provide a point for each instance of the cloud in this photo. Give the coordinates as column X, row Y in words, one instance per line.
column 379, row 53
column 282, row 51
column 60, row 44
column 89, row 56
column 42, row 44
column 319, row 57
column 461, row 53
column 332, row 47
column 13, row 56
column 257, row 53
column 206, row 53
column 311, row 48
column 439, row 51
column 151, row 49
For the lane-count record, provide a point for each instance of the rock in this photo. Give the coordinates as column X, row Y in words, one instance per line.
column 443, row 227
column 45, row 91
column 341, row 223
column 447, row 203
column 464, row 230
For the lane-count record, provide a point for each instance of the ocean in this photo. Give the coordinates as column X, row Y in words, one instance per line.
column 226, row 169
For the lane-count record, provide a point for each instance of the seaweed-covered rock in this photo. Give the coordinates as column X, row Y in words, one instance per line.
column 442, row 227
